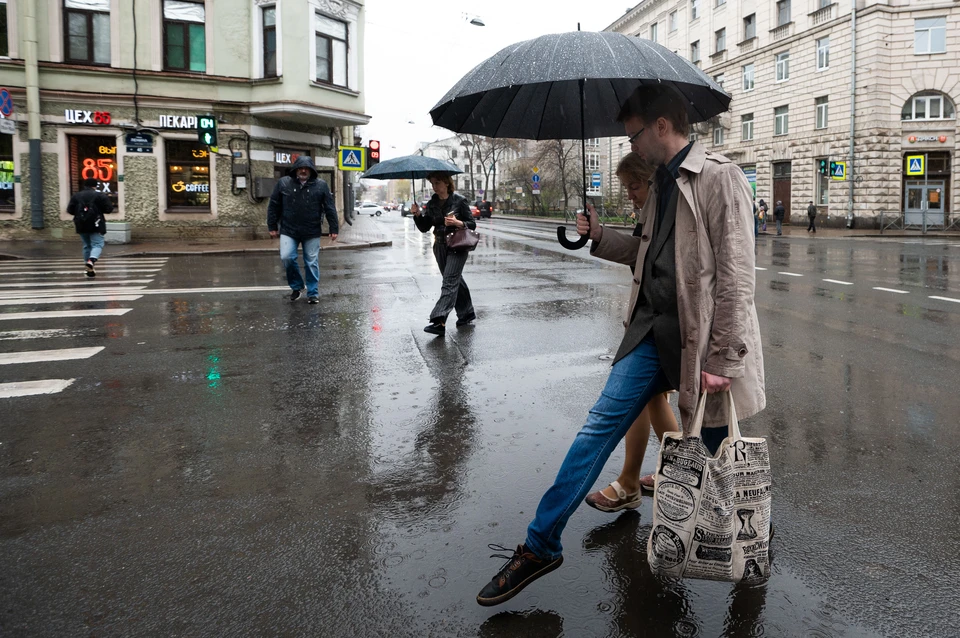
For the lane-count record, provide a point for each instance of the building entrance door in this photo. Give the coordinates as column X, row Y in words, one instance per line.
column 923, row 203
column 781, row 188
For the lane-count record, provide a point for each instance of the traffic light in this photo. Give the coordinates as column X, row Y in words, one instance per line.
column 823, row 166
column 373, row 153
column 207, row 130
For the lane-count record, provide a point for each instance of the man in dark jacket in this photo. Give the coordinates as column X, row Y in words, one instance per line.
column 88, row 208
column 779, row 212
column 295, row 214
column 812, row 215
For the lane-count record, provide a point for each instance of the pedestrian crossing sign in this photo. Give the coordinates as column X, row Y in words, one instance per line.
column 838, row 170
column 352, row 158
column 915, row 165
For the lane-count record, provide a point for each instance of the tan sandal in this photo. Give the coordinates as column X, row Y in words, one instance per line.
column 648, row 483
column 599, row 501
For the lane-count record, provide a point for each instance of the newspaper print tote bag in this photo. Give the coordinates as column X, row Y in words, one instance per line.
column 711, row 514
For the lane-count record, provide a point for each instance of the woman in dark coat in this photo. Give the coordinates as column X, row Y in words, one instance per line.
column 446, row 212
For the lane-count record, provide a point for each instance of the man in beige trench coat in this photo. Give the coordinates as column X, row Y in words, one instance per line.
column 691, row 323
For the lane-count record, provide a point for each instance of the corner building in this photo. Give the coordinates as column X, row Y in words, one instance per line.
column 787, row 64
column 282, row 78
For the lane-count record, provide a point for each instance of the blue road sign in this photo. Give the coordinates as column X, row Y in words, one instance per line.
column 536, row 178
column 596, row 181
column 6, row 102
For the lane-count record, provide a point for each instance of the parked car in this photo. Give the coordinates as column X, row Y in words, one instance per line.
column 486, row 208
column 369, row 208
column 474, row 211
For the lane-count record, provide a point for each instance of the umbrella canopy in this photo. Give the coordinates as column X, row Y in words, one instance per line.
column 570, row 86
column 410, row 167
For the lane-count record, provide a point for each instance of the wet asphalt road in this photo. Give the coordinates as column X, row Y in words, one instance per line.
column 233, row 464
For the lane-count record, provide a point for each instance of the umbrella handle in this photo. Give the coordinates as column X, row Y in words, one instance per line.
column 566, row 243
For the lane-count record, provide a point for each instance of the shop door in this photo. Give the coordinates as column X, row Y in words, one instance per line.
column 923, row 203
column 781, row 188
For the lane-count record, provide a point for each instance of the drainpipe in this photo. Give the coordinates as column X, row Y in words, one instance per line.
column 33, row 111
column 853, row 105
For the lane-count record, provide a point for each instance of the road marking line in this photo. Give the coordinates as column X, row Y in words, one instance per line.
column 135, row 260
column 187, row 291
column 37, row 356
column 946, row 299
column 30, row 388
column 899, row 292
column 837, row 281
column 44, row 300
column 53, row 294
column 789, row 274
column 758, row 268
column 50, row 333
column 78, row 284
column 64, row 314
column 22, row 273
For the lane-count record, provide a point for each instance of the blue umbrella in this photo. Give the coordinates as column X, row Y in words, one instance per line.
column 410, row 167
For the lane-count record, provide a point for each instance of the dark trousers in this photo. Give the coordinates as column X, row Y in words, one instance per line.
column 813, row 225
column 454, row 292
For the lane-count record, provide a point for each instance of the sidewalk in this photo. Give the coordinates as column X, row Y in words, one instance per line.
column 363, row 234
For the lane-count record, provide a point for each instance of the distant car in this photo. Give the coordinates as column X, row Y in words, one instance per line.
column 474, row 211
column 486, row 208
column 404, row 209
column 369, row 208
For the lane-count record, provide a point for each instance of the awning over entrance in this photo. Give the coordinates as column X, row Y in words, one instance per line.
column 304, row 113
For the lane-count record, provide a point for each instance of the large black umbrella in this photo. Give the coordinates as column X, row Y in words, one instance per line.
column 570, row 86
column 410, row 167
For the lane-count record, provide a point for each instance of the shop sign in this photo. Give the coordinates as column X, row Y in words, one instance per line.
column 178, row 121
column 193, row 187
column 76, row 116
column 286, row 158
column 913, row 139
column 139, row 142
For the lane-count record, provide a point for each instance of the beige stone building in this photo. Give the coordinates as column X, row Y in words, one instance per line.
column 281, row 78
column 788, row 63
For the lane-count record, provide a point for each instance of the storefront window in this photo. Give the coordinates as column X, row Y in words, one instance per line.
column 6, row 173
column 188, row 176
column 94, row 157
column 284, row 159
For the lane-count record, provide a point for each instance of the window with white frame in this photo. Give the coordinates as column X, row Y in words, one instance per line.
column 593, row 161
column 331, row 36
column 593, row 142
column 746, row 127
column 782, row 64
column 720, row 40
column 718, row 136
column 720, row 3
column 750, row 27
column 719, row 79
column 823, row 54
column 822, row 110
column 930, row 35
column 783, row 12
column 825, row 3
column 694, row 9
column 781, row 120
column 928, row 105
column 184, row 36
column 747, row 76
column 695, row 52
column 674, row 21
column 269, row 24
column 86, row 31
column 653, row 31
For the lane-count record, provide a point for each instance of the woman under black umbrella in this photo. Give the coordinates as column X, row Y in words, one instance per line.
column 446, row 212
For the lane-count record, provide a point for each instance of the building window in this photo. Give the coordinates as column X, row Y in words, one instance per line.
column 720, row 38
column 823, row 54
column 695, row 52
column 86, row 29
column 593, row 142
column 826, row 3
column 188, row 176
column 653, row 32
column 269, row 42
column 718, row 136
column 750, row 27
column 720, row 3
column 928, row 105
column 747, row 77
column 673, row 21
column 783, row 12
column 746, row 127
column 593, row 161
column 719, row 79
column 93, row 157
column 4, row 43
column 331, row 51
column 822, row 196
column 184, row 36
column 822, row 106
column 781, row 120
column 782, row 62
column 694, row 9
column 929, row 35
column 283, row 159
column 6, row 171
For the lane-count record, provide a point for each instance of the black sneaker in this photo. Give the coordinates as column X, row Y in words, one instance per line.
column 313, row 300
column 296, row 294
column 522, row 568
column 90, row 272
column 462, row 321
column 435, row 329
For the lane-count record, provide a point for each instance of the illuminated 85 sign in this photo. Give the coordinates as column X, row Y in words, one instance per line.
column 207, row 130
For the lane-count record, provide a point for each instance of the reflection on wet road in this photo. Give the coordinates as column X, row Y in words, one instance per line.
column 233, row 464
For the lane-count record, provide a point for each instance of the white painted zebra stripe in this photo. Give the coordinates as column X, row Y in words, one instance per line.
column 946, row 299
column 48, row 333
column 79, row 260
column 45, row 300
column 38, row 356
column 31, row 388
column 63, row 314
column 894, row 290
column 758, row 268
column 78, row 264
column 837, row 281
column 789, row 274
column 187, row 291
column 53, row 294
column 79, row 284
column 78, row 271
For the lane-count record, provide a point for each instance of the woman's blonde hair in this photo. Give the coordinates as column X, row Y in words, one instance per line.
column 632, row 168
column 445, row 178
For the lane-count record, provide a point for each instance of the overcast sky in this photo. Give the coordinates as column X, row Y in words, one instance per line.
column 416, row 50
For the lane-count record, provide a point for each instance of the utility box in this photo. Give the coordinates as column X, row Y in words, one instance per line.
column 263, row 186
column 117, row 233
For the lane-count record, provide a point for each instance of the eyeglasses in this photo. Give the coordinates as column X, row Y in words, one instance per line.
column 633, row 138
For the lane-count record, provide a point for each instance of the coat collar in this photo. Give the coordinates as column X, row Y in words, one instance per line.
column 695, row 160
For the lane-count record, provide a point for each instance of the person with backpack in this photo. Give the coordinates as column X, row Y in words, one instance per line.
column 88, row 208
column 779, row 212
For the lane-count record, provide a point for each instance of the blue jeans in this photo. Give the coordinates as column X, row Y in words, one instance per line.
column 92, row 245
column 633, row 381
column 311, row 263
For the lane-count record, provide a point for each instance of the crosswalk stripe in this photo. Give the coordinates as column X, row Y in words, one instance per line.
column 45, row 300
column 186, row 291
column 48, row 333
column 79, row 266
column 78, row 283
column 789, row 274
column 945, row 299
column 37, row 356
column 63, row 314
column 837, row 281
column 78, row 260
column 20, row 273
column 31, row 388
column 899, row 292
column 53, row 294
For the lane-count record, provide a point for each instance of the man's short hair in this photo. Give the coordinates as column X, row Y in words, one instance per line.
column 89, row 183
column 650, row 102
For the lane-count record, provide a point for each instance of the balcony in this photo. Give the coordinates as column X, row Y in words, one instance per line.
column 781, row 32
column 747, row 45
column 825, row 14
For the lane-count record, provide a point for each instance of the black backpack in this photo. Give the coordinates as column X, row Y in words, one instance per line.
column 87, row 217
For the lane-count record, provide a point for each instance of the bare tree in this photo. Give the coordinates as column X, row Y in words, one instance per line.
column 487, row 152
column 562, row 168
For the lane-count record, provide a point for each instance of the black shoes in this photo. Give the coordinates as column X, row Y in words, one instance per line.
column 462, row 321
column 313, row 300
column 523, row 568
column 296, row 294
column 436, row 329
column 90, row 272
